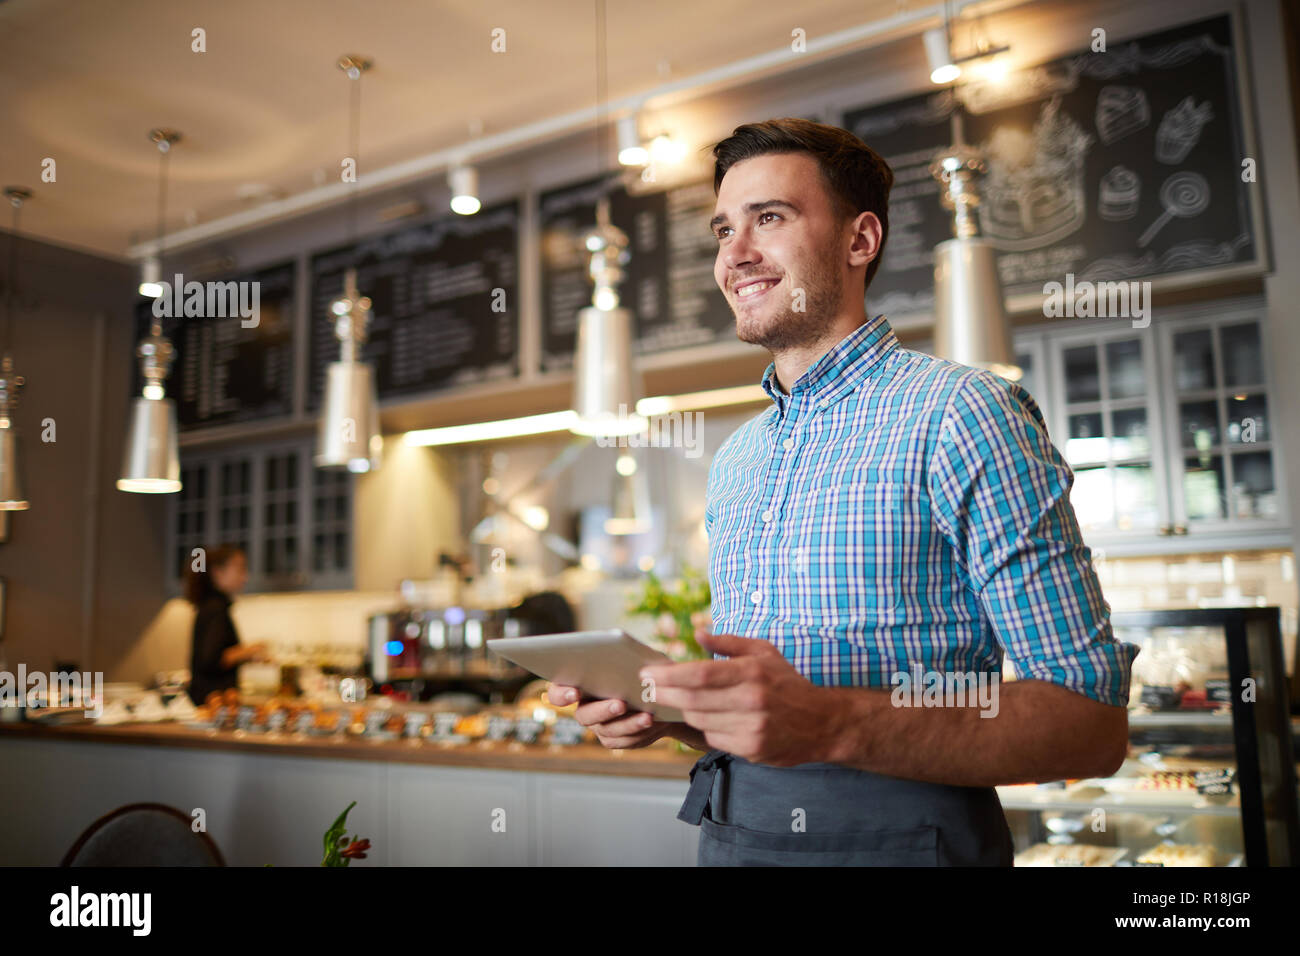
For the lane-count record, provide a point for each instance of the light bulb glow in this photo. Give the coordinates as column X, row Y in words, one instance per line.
column 464, row 190
column 536, row 517
column 148, row 486
column 665, row 149
column 633, row 156
column 465, row 205
column 945, row 74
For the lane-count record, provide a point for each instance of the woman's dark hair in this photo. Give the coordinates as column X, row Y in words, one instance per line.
column 857, row 179
column 198, row 584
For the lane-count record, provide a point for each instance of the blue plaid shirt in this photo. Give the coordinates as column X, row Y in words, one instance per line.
column 898, row 511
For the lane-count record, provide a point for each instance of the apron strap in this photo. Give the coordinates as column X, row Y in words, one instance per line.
column 702, row 774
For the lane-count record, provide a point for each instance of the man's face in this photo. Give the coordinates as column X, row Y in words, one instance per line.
column 774, row 222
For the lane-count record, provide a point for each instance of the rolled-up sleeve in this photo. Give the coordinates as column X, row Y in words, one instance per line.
column 1001, row 494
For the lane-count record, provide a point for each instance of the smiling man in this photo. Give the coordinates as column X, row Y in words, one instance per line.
column 892, row 520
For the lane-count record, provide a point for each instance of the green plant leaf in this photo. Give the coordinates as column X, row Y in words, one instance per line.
column 337, row 832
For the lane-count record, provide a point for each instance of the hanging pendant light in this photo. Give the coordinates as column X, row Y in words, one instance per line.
column 605, row 384
column 631, row 511
column 151, row 463
column 349, row 423
column 348, row 435
column 970, row 316
column 12, row 497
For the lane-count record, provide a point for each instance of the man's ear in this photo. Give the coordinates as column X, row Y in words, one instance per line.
column 867, row 233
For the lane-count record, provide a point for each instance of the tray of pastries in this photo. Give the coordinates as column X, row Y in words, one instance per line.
column 1070, row 854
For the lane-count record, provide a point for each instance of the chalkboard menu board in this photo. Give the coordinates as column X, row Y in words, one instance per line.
column 444, row 301
column 669, row 284
column 223, row 372
column 1116, row 165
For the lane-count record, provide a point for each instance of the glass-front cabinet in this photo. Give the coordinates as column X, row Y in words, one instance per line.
column 1167, row 428
column 1210, row 777
column 294, row 521
column 1108, row 415
column 1225, row 470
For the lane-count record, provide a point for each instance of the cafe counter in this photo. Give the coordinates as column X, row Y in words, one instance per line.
column 269, row 797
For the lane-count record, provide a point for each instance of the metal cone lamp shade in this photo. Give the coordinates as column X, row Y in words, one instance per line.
column 970, row 317
column 631, row 511
column 11, row 483
column 348, row 435
column 971, row 325
column 151, row 463
column 606, row 385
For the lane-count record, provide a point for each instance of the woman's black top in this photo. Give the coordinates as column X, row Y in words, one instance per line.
column 214, row 631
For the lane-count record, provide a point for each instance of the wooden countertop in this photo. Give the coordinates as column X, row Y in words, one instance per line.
column 657, row 761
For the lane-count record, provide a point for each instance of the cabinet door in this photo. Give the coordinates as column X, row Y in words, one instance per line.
column 1224, row 470
column 234, row 525
column 1031, row 354
column 293, row 521
column 331, row 528
column 280, row 531
column 1106, row 417
column 190, row 520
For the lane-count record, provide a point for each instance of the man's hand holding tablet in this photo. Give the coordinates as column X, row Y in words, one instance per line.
column 619, row 728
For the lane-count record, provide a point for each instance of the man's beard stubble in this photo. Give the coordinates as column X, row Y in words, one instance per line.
column 786, row 328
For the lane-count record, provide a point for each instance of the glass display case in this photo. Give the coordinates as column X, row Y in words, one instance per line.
column 1210, row 778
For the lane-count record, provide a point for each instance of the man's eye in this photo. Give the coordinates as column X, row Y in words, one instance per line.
column 720, row 231
column 761, row 215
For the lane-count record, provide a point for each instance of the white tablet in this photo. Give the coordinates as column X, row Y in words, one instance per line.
column 601, row 663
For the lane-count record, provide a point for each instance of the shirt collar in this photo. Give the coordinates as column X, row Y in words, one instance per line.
column 841, row 369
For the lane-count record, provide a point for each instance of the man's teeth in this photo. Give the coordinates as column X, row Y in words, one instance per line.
column 756, row 288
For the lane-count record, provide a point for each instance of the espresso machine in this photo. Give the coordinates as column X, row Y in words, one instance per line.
column 422, row 651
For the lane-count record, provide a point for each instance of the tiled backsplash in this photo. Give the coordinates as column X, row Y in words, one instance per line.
column 1212, row 579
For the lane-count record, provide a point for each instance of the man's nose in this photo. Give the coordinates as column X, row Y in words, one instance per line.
column 741, row 251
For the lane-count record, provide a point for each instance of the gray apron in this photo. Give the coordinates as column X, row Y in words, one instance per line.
column 821, row 814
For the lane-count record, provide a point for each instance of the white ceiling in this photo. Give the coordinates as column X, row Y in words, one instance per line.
column 265, row 108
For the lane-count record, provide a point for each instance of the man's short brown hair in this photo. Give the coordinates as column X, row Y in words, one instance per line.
column 857, row 179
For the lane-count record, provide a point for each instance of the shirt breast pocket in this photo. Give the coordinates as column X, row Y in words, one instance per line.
column 859, row 549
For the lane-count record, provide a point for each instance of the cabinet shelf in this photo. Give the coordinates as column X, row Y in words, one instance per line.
column 1011, row 800
column 1180, row 720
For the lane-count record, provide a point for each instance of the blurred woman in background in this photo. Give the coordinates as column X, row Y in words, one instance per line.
column 216, row 653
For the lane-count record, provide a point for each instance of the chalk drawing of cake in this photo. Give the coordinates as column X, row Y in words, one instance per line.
column 1180, row 130
column 1118, row 194
column 1034, row 190
column 1121, row 110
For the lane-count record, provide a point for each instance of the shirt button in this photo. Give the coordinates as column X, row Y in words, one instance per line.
column 757, row 597
column 767, row 516
column 788, row 444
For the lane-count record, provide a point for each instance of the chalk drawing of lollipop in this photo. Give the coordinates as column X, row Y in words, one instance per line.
column 1183, row 195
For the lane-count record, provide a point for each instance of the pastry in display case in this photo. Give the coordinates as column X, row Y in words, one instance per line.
column 1210, row 777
